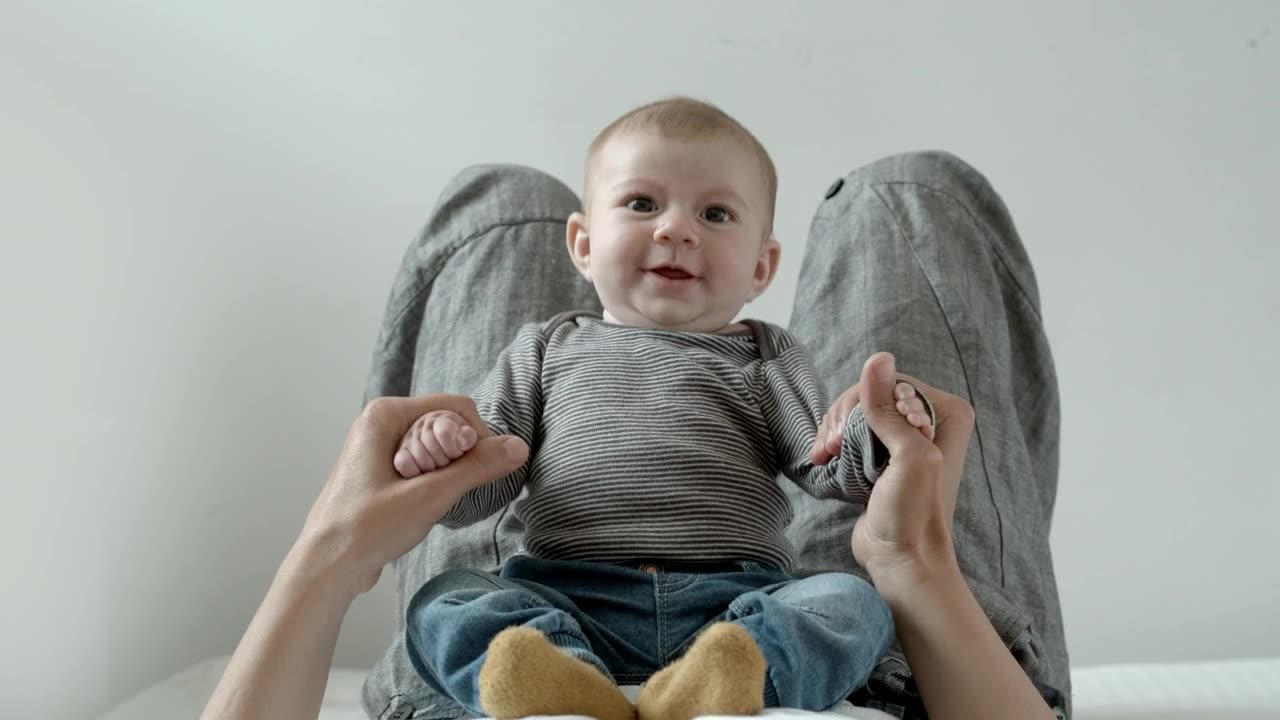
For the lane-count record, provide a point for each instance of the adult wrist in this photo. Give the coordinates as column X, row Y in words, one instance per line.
column 905, row 577
column 317, row 563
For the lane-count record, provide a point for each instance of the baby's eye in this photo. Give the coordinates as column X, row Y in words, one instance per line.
column 717, row 214
column 642, row 204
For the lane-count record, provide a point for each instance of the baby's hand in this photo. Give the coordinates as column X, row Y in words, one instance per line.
column 911, row 407
column 831, row 430
column 432, row 442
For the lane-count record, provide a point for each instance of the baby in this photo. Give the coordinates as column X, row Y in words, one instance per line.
column 654, row 548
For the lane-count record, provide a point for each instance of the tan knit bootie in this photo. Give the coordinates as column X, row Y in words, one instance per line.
column 721, row 674
column 524, row 674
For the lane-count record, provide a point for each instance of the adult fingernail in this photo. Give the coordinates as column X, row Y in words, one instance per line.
column 514, row 448
column 886, row 368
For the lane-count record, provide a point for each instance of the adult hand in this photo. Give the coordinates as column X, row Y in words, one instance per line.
column 365, row 517
column 830, row 436
column 905, row 533
column 368, row 515
column 959, row 663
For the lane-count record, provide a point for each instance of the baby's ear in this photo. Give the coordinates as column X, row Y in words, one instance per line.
column 766, row 266
column 578, row 239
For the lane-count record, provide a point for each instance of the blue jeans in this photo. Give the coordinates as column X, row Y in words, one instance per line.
column 821, row 636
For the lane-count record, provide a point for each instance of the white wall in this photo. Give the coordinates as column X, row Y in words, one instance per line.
column 204, row 205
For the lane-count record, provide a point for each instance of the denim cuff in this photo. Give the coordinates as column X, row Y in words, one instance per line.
column 770, row 693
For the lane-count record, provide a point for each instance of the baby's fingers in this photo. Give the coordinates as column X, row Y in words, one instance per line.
column 839, row 419
column 912, row 408
column 431, row 445
column 835, row 434
column 418, row 453
column 467, row 438
column 405, row 464
column 453, row 438
column 818, row 454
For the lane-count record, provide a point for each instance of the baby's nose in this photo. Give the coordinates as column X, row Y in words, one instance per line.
column 676, row 229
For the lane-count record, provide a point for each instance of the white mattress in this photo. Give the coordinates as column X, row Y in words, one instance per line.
column 1220, row 689
column 1217, row 690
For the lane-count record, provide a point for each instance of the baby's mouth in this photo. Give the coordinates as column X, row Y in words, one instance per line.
column 672, row 273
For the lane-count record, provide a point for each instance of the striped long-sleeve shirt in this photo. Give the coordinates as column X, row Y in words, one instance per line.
column 656, row 444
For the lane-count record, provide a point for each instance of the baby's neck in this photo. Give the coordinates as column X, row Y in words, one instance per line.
column 730, row 328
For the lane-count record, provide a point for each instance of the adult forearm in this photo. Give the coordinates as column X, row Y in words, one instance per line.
column 961, row 666
column 281, row 666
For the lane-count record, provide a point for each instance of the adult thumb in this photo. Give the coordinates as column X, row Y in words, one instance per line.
column 494, row 457
column 879, row 406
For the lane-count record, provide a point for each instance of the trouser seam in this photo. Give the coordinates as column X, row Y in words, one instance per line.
column 995, row 247
column 977, row 427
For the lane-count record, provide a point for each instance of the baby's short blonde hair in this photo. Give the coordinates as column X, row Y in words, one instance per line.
column 683, row 118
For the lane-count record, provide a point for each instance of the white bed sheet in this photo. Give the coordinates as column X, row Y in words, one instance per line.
column 1215, row 690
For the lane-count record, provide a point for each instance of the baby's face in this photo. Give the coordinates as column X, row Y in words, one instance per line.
column 676, row 234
